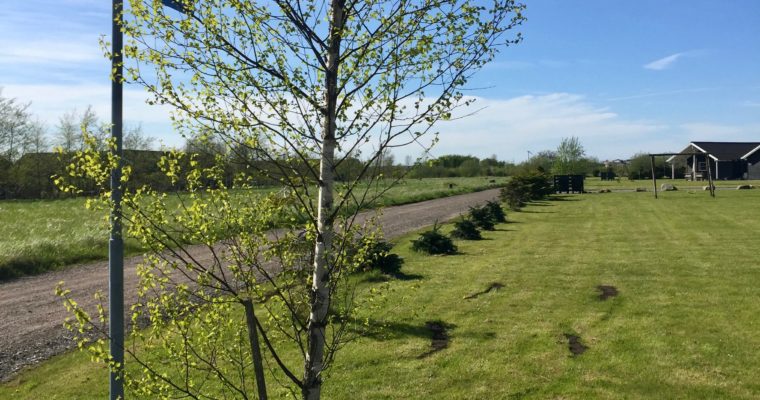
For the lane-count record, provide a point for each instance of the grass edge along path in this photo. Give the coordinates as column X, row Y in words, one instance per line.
column 682, row 325
column 46, row 235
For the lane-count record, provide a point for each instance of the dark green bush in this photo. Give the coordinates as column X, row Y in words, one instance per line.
column 434, row 242
column 526, row 187
column 466, row 229
column 380, row 258
column 497, row 213
column 481, row 216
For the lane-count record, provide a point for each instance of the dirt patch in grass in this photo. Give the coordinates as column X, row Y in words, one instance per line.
column 575, row 345
column 607, row 291
column 490, row 288
column 439, row 337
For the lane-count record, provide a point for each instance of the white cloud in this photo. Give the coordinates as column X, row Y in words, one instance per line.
column 50, row 102
column 510, row 127
column 664, row 63
column 51, row 52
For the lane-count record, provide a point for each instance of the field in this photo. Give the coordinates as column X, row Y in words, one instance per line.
column 626, row 184
column 683, row 323
column 44, row 235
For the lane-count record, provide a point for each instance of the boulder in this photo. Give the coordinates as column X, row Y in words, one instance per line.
column 605, row 191
column 667, row 187
column 640, row 189
column 744, row 187
column 707, row 187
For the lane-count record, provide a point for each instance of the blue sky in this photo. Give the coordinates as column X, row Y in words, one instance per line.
column 622, row 76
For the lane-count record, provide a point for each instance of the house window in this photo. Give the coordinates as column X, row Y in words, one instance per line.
column 702, row 166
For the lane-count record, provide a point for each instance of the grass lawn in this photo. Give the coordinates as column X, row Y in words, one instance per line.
column 42, row 235
column 593, row 183
column 683, row 326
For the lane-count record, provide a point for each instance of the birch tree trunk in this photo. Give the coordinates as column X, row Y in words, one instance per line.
column 253, row 340
column 312, row 384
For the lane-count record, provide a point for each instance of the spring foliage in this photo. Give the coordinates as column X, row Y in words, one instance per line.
column 304, row 86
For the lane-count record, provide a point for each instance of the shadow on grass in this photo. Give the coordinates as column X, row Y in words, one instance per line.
column 377, row 278
column 563, row 197
column 523, row 393
column 390, row 330
column 547, row 202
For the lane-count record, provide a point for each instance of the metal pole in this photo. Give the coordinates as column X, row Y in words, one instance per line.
column 116, row 243
column 654, row 177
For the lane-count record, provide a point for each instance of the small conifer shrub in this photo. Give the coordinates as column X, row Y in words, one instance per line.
column 497, row 213
column 466, row 229
column 379, row 257
column 481, row 216
column 434, row 242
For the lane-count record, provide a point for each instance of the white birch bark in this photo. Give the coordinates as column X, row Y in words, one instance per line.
column 325, row 229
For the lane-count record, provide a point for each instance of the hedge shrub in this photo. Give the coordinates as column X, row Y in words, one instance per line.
column 434, row 242
column 466, row 229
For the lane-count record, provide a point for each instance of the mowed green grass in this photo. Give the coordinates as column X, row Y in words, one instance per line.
column 684, row 325
column 43, row 235
column 593, row 183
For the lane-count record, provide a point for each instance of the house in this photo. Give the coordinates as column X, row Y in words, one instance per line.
column 727, row 160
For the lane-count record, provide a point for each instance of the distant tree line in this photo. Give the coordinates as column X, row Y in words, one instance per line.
column 27, row 157
column 31, row 155
column 461, row 166
column 570, row 159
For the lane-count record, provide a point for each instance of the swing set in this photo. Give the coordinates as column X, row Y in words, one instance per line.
column 710, row 184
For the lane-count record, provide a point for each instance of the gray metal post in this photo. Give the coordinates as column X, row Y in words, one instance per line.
column 654, row 176
column 116, row 243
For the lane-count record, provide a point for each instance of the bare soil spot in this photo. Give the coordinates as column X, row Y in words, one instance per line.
column 493, row 286
column 439, row 337
column 607, row 291
column 575, row 345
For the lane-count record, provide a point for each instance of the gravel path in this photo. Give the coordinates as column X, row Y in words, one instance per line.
column 31, row 316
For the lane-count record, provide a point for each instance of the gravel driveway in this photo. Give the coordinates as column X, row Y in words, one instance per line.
column 31, row 316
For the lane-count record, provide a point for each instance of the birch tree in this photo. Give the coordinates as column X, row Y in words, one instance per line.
column 15, row 123
column 303, row 86
column 569, row 159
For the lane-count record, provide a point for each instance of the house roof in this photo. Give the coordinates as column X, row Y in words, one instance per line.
column 722, row 151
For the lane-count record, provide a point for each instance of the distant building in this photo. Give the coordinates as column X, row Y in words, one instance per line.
column 725, row 160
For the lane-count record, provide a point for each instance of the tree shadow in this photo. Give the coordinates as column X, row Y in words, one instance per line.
column 562, row 197
column 386, row 277
column 406, row 277
column 391, row 330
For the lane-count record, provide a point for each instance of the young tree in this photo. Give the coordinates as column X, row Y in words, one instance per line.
column 15, row 121
column 543, row 161
column 569, row 157
column 640, row 166
column 36, row 140
column 72, row 126
column 90, row 122
column 303, row 85
column 69, row 135
column 135, row 139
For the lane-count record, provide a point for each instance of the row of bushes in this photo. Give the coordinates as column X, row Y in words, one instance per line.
column 519, row 190
column 379, row 256
column 468, row 228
